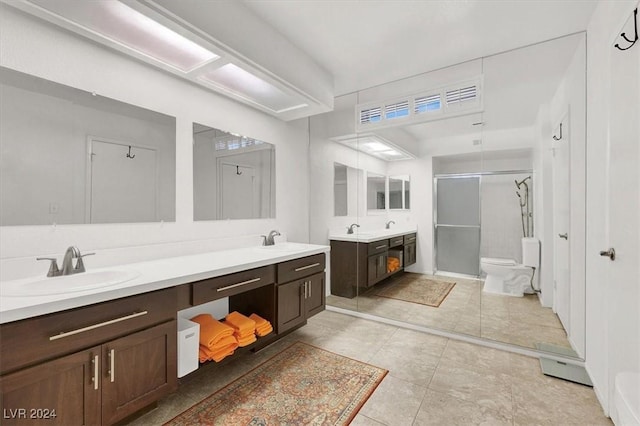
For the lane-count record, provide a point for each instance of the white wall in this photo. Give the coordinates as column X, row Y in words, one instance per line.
column 500, row 222
column 607, row 19
column 39, row 49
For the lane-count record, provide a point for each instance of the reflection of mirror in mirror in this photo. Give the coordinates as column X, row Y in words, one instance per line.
column 376, row 191
column 399, row 192
column 69, row 156
column 233, row 176
column 340, row 189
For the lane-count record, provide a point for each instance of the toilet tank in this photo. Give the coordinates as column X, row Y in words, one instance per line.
column 531, row 252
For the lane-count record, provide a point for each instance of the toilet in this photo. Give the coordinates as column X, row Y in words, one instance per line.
column 506, row 277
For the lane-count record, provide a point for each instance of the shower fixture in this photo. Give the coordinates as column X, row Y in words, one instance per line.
column 525, row 209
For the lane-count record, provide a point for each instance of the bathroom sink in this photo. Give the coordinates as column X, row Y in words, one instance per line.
column 285, row 247
column 68, row 283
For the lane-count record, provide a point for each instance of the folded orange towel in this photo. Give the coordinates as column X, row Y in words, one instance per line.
column 225, row 347
column 259, row 320
column 241, row 323
column 245, row 341
column 211, row 330
column 261, row 332
column 393, row 263
column 263, row 327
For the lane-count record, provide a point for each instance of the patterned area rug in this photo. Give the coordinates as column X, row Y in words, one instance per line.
column 424, row 291
column 301, row 385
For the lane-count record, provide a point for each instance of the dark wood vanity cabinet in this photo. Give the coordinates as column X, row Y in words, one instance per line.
column 357, row 266
column 409, row 249
column 91, row 365
column 300, row 291
column 59, row 392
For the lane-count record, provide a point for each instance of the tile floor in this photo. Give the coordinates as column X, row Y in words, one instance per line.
column 432, row 380
column 516, row 320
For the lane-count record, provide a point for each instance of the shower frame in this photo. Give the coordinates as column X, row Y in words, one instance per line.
column 435, row 212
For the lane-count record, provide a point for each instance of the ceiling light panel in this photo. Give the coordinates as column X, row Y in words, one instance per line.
column 375, row 146
column 129, row 28
column 242, row 83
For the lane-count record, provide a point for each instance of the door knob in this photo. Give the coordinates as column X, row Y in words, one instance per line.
column 611, row 253
column 565, row 236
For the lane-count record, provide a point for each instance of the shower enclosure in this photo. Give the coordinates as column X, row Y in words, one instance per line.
column 479, row 215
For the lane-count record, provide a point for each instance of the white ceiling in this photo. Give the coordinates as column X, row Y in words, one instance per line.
column 364, row 43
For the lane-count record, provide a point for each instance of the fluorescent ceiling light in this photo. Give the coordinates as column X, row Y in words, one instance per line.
column 239, row 82
column 129, row 28
column 375, row 146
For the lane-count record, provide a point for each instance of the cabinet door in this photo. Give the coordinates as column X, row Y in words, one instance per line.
column 377, row 269
column 314, row 302
column 138, row 370
column 59, row 392
column 291, row 307
column 409, row 254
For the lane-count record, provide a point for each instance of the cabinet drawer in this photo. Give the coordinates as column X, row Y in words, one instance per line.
column 410, row 238
column 299, row 268
column 396, row 241
column 32, row 340
column 378, row 247
column 228, row 285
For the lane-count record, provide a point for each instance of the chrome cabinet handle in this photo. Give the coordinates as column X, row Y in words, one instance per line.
column 302, row 268
column 564, row 236
column 381, row 247
column 94, row 326
column 412, row 239
column 112, row 365
column 238, row 284
column 309, row 289
column 611, row 253
column 96, row 375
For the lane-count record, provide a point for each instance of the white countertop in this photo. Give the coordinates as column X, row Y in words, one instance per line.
column 151, row 275
column 370, row 236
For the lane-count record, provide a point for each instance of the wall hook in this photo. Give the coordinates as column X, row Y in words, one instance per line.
column 624, row 36
column 129, row 154
column 238, row 172
column 556, row 138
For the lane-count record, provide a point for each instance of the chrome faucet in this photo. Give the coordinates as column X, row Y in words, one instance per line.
column 350, row 228
column 267, row 240
column 388, row 225
column 67, row 263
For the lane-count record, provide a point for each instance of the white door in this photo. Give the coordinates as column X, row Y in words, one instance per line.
column 123, row 189
column 623, row 211
column 561, row 211
column 237, row 192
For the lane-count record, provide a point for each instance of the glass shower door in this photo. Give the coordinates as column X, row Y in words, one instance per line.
column 457, row 224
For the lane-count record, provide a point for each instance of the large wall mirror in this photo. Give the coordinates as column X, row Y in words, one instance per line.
column 503, row 143
column 376, row 192
column 71, row 157
column 233, row 176
column 399, row 192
